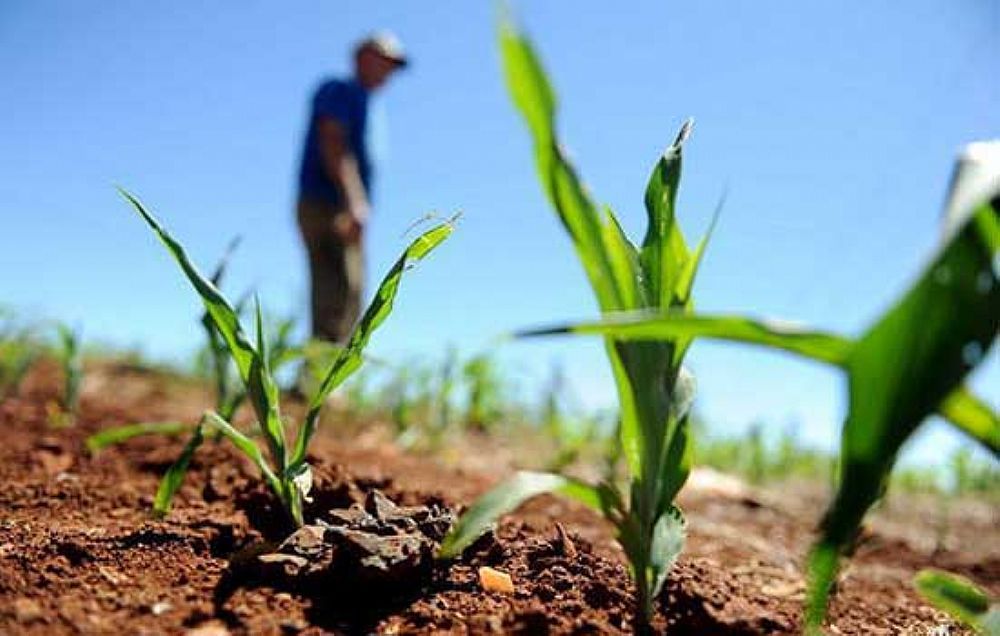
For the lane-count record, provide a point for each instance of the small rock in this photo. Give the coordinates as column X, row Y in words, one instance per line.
column 306, row 541
column 161, row 608
column 564, row 543
column 495, row 581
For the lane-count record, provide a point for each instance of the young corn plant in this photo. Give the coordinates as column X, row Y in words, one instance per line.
column 70, row 356
column 908, row 365
column 284, row 468
column 655, row 392
column 485, row 399
column 961, row 599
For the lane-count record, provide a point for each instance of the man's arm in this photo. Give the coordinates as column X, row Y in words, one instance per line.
column 341, row 167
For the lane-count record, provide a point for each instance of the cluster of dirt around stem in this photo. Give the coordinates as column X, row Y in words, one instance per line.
column 79, row 552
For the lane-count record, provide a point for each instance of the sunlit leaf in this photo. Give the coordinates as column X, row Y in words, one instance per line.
column 111, row 436
column 216, row 305
column 171, row 481
column 647, row 325
column 505, row 498
column 914, row 356
column 350, row 357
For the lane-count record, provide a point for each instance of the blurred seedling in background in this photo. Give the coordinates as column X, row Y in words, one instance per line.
column 484, row 384
column 69, row 353
column 19, row 348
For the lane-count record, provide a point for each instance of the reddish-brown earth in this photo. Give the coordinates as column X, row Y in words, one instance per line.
column 79, row 552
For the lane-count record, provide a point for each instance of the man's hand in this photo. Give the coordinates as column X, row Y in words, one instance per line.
column 349, row 226
column 342, row 168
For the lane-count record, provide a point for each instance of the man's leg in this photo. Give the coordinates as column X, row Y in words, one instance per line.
column 354, row 281
column 330, row 290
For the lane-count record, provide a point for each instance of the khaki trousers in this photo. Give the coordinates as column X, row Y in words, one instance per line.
column 336, row 272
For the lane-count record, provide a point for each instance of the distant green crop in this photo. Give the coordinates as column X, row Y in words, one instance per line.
column 908, row 365
column 655, row 392
column 284, row 469
column 19, row 348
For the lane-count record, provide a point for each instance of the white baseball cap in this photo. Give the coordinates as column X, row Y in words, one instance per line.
column 386, row 44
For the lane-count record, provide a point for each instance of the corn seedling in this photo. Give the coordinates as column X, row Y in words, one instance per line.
column 909, row 364
column 446, row 389
column 284, row 468
column 961, row 599
column 655, row 392
column 70, row 358
column 485, row 392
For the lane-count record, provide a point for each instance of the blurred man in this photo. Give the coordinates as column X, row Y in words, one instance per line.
column 335, row 185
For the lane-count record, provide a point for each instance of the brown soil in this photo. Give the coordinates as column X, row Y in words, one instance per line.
column 79, row 552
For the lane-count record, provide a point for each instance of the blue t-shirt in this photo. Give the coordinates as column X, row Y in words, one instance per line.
column 347, row 102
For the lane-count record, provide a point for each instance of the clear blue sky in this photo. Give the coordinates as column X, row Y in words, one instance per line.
column 832, row 124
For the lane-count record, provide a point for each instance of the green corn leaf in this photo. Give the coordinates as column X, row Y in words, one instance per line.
column 111, row 436
column 960, row 598
column 223, row 264
column 967, row 412
column 675, row 324
column 685, row 283
column 216, row 344
column 506, row 497
column 623, row 261
column 248, row 448
column 669, row 535
column 216, row 305
column 917, row 354
column 174, row 477
column 264, row 395
column 252, row 369
column 535, row 99
column 664, row 250
column 350, row 357
column 973, row 417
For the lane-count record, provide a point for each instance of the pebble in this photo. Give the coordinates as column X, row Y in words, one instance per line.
column 158, row 609
column 495, row 581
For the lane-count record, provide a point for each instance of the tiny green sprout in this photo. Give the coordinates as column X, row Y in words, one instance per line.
column 284, row 467
column 70, row 358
